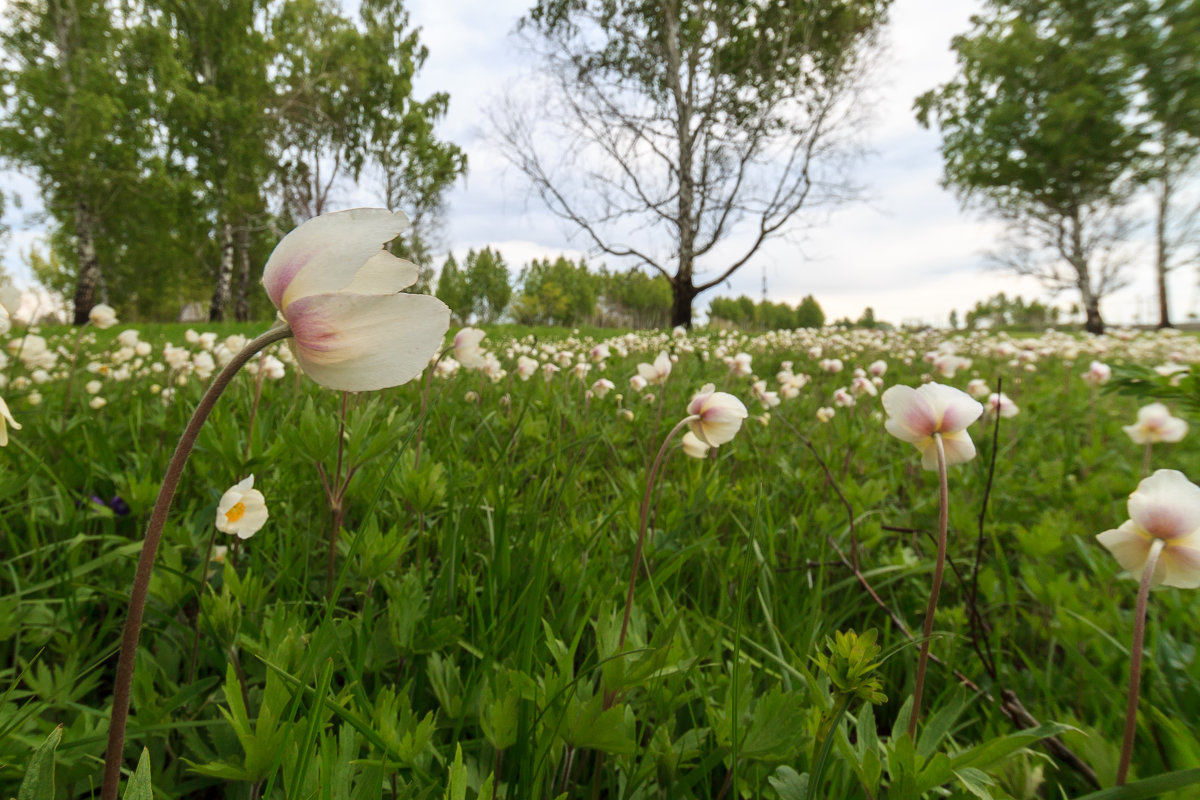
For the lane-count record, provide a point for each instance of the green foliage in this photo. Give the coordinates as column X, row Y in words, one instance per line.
column 1000, row 311
column 746, row 314
column 558, row 292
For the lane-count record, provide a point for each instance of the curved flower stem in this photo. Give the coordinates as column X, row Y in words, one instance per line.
column 154, row 529
column 643, row 518
column 936, row 588
column 1135, row 660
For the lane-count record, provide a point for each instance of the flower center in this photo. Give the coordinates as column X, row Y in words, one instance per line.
column 236, row 513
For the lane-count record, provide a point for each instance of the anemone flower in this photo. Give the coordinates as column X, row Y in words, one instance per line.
column 717, row 416
column 934, row 418
column 915, row 415
column 340, row 292
column 242, row 510
column 6, row 419
column 1159, row 545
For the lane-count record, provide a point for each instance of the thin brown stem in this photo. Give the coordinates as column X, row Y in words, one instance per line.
column 643, row 516
column 1135, row 660
column 935, row 589
column 154, row 528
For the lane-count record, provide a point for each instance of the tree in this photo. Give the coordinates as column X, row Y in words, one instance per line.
column 487, row 284
column 1162, row 39
column 809, row 313
column 634, row 299
column 75, row 114
column 690, row 123
column 452, row 290
column 1036, row 129
column 558, row 292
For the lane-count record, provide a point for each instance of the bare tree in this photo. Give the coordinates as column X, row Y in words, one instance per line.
column 683, row 134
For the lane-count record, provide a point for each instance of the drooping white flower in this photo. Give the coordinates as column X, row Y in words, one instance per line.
column 6, row 420
column 1166, row 507
column 718, row 415
column 915, row 415
column 693, row 447
column 340, row 292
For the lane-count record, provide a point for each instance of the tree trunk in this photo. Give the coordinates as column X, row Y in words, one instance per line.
column 242, row 312
column 1094, row 323
column 220, row 298
column 682, row 294
column 1162, row 255
column 89, row 265
column 1079, row 261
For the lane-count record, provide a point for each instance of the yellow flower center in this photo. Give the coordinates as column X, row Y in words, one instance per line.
column 236, row 513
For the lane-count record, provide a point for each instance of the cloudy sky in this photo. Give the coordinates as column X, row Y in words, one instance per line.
column 907, row 249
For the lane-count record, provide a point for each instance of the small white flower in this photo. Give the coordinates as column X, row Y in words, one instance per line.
column 242, row 510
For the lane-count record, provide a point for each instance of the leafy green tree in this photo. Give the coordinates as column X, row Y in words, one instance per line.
column 634, row 299
column 558, row 292
column 76, row 115
column 1162, row 38
column 1036, row 129
column 452, row 290
column 697, row 120
column 809, row 313
column 487, row 284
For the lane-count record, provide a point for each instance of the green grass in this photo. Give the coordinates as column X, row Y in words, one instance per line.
column 479, row 593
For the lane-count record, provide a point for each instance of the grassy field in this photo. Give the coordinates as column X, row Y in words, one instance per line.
column 434, row 604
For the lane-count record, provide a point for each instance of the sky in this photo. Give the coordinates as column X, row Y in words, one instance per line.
column 907, row 249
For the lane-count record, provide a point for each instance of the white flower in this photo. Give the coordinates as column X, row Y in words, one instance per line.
column 1165, row 506
column 6, row 419
column 658, row 371
column 467, row 349
column 1155, row 424
column 102, row 316
column 825, row 413
column 242, row 510
column 340, row 292
column 692, row 446
column 718, row 415
column 915, row 415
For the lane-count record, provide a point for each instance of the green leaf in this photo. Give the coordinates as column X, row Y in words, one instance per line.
column 773, row 730
column 939, row 725
column 789, row 784
column 39, row 777
column 139, row 787
column 1149, row 787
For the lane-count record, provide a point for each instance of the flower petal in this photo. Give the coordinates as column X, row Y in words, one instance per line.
column 910, row 416
column 1130, row 548
column 323, row 255
column 955, row 409
column 1182, row 562
column 383, row 274
column 959, row 447
column 360, row 342
column 1166, row 505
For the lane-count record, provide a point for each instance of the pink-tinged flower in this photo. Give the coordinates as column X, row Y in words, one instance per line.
column 467, row 349
column 339, row 290
column 915, row 415
column 1155, row 424
column 6, row 419
column 1002, row 405
column 862, row 385
column 242, row 510
column 947, row 364
column 603, row 387
column 692, row 446
column 599, row 353
column 843, row 398
column 740, row 364
column 1165, row 506
column 637, row 383
column 1098, row 373
column 718, row 415
column 978, row 388
column 878, row 368
column 526, row 366
column 658, row 371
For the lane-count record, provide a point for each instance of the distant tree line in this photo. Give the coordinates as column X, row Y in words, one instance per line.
column 174, row 141
column 743, row 312
column 1001, row 311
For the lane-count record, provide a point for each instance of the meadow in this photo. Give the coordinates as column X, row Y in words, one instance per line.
column 433, row 607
